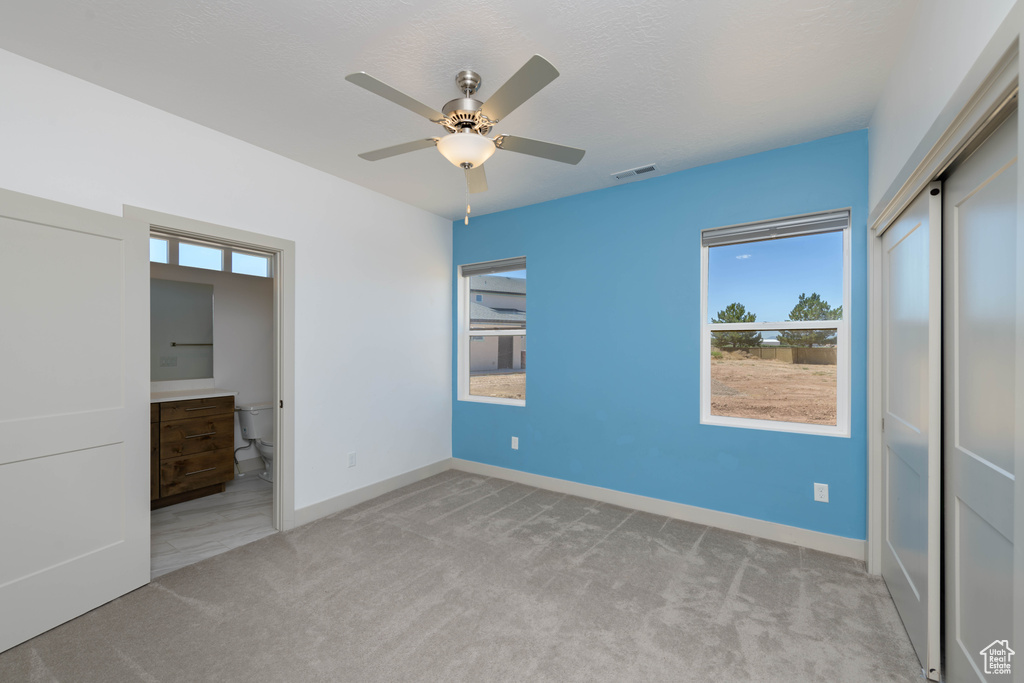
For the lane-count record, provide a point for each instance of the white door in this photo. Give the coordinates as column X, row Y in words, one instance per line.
column 981, row 289
column 911, row 411
column 74, row 403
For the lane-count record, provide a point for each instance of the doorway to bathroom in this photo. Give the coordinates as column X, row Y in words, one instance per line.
column 221, row 371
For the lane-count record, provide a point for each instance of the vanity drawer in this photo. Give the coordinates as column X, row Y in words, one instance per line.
column 196, row 435
column 200, row 407
column 196, row 471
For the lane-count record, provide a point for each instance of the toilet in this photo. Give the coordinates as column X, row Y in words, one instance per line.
column 257, row 423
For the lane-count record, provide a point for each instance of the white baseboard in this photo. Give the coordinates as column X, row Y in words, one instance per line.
column 816, row 540
column 347, row 500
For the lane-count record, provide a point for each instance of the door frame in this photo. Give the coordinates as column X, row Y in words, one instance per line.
column 981, row 96
column 284, row 337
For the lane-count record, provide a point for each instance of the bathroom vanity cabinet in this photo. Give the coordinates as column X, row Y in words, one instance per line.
column 191, row 448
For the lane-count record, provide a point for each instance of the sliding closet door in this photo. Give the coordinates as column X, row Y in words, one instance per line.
column 911, row 407
column 981, row 289
column 74, row 460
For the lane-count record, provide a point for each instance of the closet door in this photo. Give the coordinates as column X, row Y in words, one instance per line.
column 74, row 461
column 911, row 411
column 981, row 289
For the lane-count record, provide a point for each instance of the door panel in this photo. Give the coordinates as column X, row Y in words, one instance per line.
column 911, row 337
column 981, row 285
column 73, row 470
column 76, row 348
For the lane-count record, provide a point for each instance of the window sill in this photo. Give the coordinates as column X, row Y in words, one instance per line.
column 772, row 426
column 497, row 401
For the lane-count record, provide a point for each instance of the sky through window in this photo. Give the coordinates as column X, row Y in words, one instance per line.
column 768, row 277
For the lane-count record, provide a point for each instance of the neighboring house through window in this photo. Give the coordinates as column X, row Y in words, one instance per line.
column 492, row 332
column 775, row 328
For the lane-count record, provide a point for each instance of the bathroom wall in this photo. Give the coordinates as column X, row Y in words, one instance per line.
column 373, row 275
column 243, row 333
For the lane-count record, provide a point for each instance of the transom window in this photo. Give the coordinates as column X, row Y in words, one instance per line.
column 179, row 252
column 775, row 338
column 492, row 332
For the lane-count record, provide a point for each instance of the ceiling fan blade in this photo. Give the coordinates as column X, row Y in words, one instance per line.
column 378, row 154
column 476, row 179
column 524, row 84
column 536, row 148
column 365, row 80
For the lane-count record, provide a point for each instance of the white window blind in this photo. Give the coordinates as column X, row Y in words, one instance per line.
column 491, row 267
column 832, row 221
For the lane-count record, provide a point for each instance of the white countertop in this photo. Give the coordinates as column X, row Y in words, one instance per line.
column 161, row 396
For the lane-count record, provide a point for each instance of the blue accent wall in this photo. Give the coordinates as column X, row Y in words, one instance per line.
column 613, row 374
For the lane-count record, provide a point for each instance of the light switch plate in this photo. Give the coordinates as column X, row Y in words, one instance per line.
column 515, row 443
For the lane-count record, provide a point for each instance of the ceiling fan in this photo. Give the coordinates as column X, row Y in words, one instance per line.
column 469, row 120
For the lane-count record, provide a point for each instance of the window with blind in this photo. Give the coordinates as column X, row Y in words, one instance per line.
column 775, row 329
column 492, row 332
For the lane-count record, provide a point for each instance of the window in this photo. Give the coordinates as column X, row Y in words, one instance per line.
column 250, row 264
column 158, row 250
column 164, row 248
column 198, row 256
column 492, row 332
column 775, row 330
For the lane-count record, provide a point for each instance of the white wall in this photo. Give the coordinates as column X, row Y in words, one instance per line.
column 243, row 334
column 945, row 39
column 373, row 275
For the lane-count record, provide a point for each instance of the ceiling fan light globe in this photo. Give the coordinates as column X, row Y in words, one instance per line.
column 466, row 148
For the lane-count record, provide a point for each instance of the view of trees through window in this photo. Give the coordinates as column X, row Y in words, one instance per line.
column 788, row 373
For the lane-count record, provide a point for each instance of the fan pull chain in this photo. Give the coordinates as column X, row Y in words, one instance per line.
column 467, row 196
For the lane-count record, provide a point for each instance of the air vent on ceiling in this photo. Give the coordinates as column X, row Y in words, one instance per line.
column 639, row 170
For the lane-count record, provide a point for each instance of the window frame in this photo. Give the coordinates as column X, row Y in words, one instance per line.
column 843, row 341
column 464, row 335
column 227, row 253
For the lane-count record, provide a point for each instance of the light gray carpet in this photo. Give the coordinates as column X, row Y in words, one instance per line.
column 466, row 578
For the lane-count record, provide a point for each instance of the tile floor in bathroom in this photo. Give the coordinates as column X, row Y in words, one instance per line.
column 186, row 533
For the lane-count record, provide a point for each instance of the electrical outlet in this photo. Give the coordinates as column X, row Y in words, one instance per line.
column 821, row 493
column 351, row 459
column 515, row 443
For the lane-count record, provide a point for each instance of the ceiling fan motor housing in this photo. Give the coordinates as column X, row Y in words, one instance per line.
column 464, row 113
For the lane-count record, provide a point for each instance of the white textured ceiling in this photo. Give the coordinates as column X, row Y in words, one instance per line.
column 678, row 83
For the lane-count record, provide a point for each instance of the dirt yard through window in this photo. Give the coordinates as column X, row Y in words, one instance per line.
column 503, row 385
column 773, row 390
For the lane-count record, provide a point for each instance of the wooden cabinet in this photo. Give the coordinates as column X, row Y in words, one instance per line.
column 192, row 449
column 154, row 451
